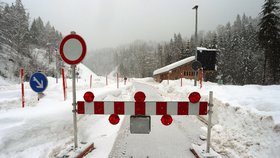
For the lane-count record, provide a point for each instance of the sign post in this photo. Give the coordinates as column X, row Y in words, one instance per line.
column 210, row 112
column 38, row 83
column 196, row 65
column 73, row 50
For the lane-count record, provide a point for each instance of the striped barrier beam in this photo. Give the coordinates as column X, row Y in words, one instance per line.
column 142, row 107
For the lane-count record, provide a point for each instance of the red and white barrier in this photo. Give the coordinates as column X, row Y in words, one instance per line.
column 140, row 107
column 145, row 108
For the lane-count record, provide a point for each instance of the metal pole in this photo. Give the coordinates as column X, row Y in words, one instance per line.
column 74, row 106
column 210, row 112
column 195, row 72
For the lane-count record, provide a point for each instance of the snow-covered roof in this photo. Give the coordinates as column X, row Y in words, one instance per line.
column 203, row 48
column 174, row 65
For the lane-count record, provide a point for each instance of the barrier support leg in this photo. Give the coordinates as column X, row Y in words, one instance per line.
column 210, row 112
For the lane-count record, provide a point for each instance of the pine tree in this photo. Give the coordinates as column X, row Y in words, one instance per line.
column 42, row 41
column 21, row 31
column 34, row 33
column 269, row 38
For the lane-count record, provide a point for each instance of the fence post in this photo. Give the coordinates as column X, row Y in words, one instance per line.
column 181, row 79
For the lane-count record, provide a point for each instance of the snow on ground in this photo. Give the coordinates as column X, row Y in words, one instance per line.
column 246, row 118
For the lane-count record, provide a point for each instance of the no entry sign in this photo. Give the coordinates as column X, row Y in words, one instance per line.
column 72, row 49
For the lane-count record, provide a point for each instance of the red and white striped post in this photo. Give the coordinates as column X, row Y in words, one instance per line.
column 117, row 80
column 90, row 81
column 22, row 86
column 63, row 83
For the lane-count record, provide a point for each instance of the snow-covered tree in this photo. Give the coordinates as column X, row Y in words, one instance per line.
column 269, row 37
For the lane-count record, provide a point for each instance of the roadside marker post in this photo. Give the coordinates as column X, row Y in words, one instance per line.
column 63, row 83
column 22, row 86
column 73, row 50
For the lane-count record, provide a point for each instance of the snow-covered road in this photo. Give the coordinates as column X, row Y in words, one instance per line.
column 163, row 141
column 246, row 121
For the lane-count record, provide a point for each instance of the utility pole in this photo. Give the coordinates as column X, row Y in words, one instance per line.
column 195, row 72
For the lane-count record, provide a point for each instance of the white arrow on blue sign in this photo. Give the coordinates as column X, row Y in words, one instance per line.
column 38, row 82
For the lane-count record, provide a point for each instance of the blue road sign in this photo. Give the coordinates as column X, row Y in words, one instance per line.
column 38, row 82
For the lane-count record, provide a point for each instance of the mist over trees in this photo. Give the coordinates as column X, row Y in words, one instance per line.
column 19, row 37
column 241, row 55
column 249, row 48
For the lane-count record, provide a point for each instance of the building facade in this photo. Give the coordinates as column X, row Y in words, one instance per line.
column 174, row 71
column 183, row 68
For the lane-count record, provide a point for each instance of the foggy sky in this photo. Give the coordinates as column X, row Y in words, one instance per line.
column 108, row 23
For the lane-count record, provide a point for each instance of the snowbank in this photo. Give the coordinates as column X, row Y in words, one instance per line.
column 246, row 117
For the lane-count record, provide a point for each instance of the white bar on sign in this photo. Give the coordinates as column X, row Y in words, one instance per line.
column 89, row 107
column 108, row 107
column 172, row 108
column 129, row 108
column 193, row 108
column 151, row 108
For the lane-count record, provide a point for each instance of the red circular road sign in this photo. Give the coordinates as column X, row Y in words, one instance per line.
column 72, row 49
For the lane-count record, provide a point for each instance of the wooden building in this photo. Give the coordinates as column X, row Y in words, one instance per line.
column 175, row 70
column 183, row 68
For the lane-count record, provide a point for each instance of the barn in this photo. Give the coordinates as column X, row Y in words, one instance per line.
column 183, row 68
column 175, row 70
